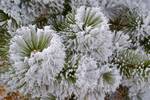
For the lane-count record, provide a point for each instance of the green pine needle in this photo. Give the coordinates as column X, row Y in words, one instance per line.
column 4, row 43
column 108, row 78
column 145, row 43
column 3, row 16
column 131, row 62
column 125, row 19
column 33, row 43
column 91, row 19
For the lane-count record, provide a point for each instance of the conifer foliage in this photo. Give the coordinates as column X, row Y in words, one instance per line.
column 75, row 49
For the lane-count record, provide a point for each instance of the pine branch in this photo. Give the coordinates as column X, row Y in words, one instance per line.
column 125, row 19
column 4, row 43
column 67, row 7
column 145, row 43
column 131, row 62
column 4, row 35
column 108, row 78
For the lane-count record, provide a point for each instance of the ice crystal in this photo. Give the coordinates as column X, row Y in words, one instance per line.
column 37, row 57
column 75, row 49
column 91, row 33
column 94, row 81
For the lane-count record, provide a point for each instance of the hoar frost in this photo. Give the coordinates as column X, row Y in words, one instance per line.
column 88, row 49
column 37, row 57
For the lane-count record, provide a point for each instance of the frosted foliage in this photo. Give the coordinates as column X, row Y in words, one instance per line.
column 113, row 81
column 95, row 46
column 26, row 12
column 35, row 74
column 137, row 89
column 138, row 86
column 121, row 40
column 87, row 73
column 77, row 3
column 103, row 3
column 54, row 5
column 92, row 37
column 138, row 6
column 11, row 8
column 75, row 49
column 60, row 2
column 91, row 80
column 83, row 22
